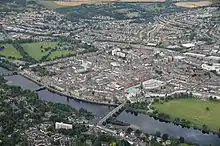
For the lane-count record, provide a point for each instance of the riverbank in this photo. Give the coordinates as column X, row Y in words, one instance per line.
column 144, row 122
column 63, row 93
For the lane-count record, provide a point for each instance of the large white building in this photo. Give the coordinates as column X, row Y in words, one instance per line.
column 63, row 126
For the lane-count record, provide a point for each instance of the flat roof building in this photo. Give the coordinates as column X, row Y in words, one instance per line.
column 63, row 126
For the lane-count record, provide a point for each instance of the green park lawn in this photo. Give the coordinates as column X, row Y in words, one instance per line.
column 34, row 49
column 194, row 111
column 9, row 51
column 59, row 53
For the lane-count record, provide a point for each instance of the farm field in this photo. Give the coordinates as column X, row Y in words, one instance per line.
column 59, row 53
column 193, row 4
column 72, row 3
column 36, row 51
column 141, row 0
column 9, row 51
column 194, row 111
column 58, row 4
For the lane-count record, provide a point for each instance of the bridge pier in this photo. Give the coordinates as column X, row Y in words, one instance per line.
column 40, row 88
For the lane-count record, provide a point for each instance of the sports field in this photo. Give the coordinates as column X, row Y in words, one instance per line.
column 8, row 50
column 194, row 111
column 37, row 50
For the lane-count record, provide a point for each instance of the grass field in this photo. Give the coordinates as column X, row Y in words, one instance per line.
column 193, row 4
column 34, row 49
column 193, row 111
column 55, row 54
column 9, row 51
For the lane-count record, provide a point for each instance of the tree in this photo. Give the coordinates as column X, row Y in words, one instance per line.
column 183, row 121
column 93, row 93
column 177, row 120
column 141, row 86
column 137, row 133
column 207, row 109
column 156, row 100
column 204, row 127
column 165, row 137
column 181, row 139
column 157, row 134
column 129, row 130
column 124, row 143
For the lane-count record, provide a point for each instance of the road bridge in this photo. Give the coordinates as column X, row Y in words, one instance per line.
column 40, row 88
column 111, row 113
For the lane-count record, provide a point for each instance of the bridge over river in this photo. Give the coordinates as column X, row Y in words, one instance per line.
column 111, row 113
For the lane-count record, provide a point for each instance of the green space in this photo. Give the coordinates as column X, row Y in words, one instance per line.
column 8, row 51
column 126, row 10
column 59, row 53
column 154, row 9
column 185, row 145
column 198, row 112
column 132, row 14
column 39, row 49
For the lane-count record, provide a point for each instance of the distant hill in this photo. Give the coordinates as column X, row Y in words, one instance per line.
column 5, row 1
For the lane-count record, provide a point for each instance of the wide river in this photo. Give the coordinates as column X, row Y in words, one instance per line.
column 146, row 123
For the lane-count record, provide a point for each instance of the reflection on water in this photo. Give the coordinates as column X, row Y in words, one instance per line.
column 151, row 125
column 98, row 110
column 18, row 80
column 3, row 71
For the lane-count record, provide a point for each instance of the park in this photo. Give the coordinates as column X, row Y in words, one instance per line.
column 198, row 112
column 40, row 49
column 8, row 51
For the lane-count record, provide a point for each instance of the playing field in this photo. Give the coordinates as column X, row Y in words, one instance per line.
column 194, row 111
column 9, row 51
column 37, row 50
column 193, row 4
column 55, row 54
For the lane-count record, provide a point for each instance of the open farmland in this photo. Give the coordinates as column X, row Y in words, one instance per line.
column 72, row 3
column 193, row 111
column 193, row 4
column 8, row 50
column 141, row 1
column 38, row 50
column 79, row 2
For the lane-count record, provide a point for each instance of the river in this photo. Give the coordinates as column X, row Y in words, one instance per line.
column 146, row 123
